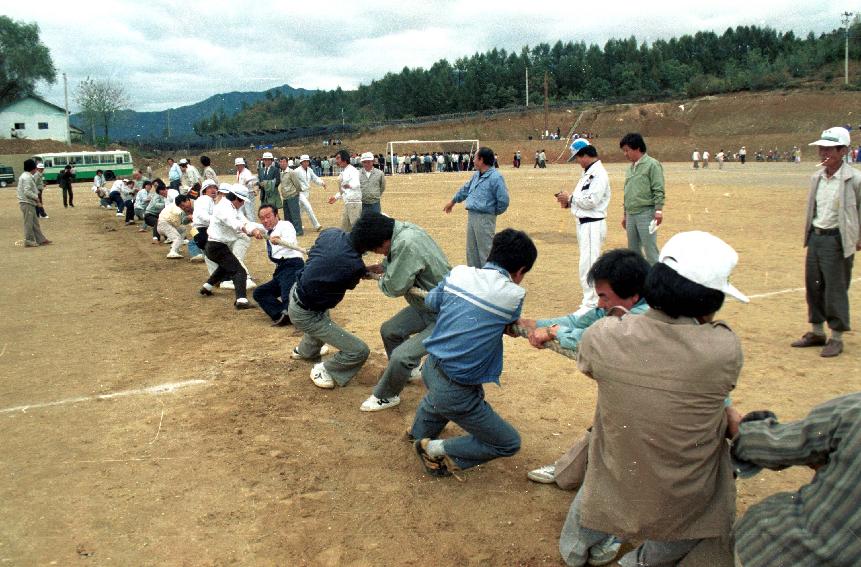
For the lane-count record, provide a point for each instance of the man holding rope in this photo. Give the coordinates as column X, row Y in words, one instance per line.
column 284, row 251
column 412, row 259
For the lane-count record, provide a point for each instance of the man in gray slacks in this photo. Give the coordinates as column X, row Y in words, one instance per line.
column 486, row 198
column 28, row 201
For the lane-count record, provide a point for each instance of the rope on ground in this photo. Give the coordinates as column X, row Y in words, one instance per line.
column 516, row 329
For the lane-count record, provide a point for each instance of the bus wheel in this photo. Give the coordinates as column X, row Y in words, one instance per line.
column 109, row 175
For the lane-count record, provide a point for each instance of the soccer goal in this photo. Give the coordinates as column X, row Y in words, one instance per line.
column 420, row 147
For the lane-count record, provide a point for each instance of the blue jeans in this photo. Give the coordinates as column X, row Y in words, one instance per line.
column 273, row 297
column 193, row 249
column 373, row 207
column 488, row 435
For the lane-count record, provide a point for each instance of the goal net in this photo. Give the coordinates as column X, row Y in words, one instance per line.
column 456, row 155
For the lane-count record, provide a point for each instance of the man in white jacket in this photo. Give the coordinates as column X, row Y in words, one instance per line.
column 226, row 225
column 588, row 204
column 349, row 189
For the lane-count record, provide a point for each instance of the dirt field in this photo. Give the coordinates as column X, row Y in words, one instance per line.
column 253, row 465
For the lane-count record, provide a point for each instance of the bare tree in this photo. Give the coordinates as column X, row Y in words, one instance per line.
column 100, row 100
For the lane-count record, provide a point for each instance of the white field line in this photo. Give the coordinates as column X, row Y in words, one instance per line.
column 153, row 390
column 782, row 291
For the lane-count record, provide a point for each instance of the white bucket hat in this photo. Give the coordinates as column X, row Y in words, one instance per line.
column 208, row 183
column 240, row 191
column 702, row 258
column 183, row 161
column 225, row 188
column 239, row 161
column 836, row 136
column 304, row 157
column 267, row 155
column 367, row 156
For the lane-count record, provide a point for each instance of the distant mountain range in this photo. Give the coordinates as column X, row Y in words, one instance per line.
column 129, row 125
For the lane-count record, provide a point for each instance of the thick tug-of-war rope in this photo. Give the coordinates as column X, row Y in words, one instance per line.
column 516, row 329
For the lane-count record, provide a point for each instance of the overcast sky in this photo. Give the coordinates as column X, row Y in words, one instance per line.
column 170, row 54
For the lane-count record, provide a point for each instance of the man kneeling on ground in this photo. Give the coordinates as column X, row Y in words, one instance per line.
column 618, row 277
column 283, row 250
column 474, row 307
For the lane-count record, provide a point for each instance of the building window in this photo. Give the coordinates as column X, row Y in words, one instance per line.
column 43, row 125
column 19, row 125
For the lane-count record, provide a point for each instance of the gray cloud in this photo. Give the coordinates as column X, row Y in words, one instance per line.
column 167, row 57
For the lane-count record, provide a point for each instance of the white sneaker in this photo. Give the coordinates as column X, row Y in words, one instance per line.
column 120, row 215
column 415, row 374
column 373, row 403
column 321, row 377
column 227, row 285
column 543, row 475
column 173, row 254
column 196, row 258
column 250, row 284
column 605, row 551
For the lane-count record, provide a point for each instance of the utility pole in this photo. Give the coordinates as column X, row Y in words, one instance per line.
column 168, row 123
column 846, row 19
column 546, row 105
column 342, row 116
column 527, row 87
column 68, row 128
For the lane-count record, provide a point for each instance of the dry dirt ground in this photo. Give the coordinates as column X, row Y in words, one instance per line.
column 254, row 465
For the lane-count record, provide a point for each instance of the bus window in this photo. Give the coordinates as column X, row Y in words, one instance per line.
column 48, row 163
column 105, row 159
column 119, row 159
column 75, row 160
column 60, row 160
column 91, row 159
column 127, row 158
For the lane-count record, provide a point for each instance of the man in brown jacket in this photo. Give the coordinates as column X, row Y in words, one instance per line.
column 832, row 236
column 659, row 469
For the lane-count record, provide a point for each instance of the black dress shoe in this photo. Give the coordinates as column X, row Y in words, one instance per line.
column 282, row 321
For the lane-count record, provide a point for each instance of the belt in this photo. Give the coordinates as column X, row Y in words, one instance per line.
column 825, row 231
column 585, row 220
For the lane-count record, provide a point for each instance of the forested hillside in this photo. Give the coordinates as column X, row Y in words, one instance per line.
column 746, row 58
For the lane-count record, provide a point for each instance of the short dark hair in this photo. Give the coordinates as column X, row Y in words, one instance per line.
column 677, row 296
column 146, row 182
column 344, row 155
column 205, row 161
column 99, row 171
column 371, row 230
column 624, row 269
column 29, row 164
column 513, row 249
column 159, row 184
column 634, row 141
column 486, row 154
column 180, row 199
column 268, row 206
column 590, row 151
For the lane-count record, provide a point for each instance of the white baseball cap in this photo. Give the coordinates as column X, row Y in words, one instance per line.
column 367, row 156
column 267, row 155
column 240, row 191
column 304, row 157
column 702, row 258
column 837, row 136
column 239, row 161
column 208, row 183
column 40, row 165
column 183, row 161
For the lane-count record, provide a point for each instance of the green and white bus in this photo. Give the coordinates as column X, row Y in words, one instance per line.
column 115, row 163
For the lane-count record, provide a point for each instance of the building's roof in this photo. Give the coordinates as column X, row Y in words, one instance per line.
column 34, row 97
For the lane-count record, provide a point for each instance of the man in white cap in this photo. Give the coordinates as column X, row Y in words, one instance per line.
column 373, row 184
column 247, row 179
column 226, row 225
column 268, row 179
column 832, row 236
column 349, row 189
column 39, row 177
column 304, row 176
column 188, row 177
column 28, row 201
column 588, row 204
column 290, row 190
column 659, row 471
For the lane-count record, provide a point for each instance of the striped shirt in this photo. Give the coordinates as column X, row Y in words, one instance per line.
column 819, row 524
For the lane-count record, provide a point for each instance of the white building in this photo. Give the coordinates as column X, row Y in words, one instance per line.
column 32, row 118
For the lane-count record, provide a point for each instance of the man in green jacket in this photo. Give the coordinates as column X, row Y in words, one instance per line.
column 644, row 197
column 412, row 259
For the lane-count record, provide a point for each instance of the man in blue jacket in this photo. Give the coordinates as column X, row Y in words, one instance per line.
column 486, row 198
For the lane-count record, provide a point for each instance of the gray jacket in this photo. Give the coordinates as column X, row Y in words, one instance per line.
column 373, row 186
column 849, row 199
column 28, row 192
